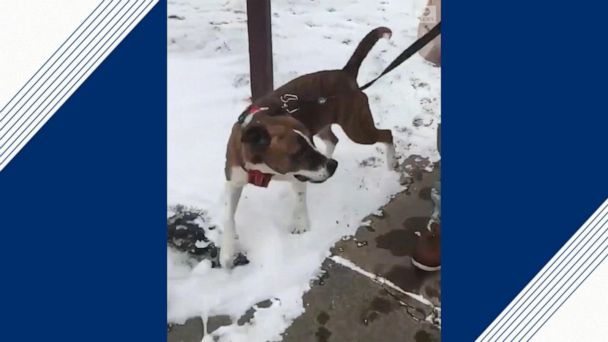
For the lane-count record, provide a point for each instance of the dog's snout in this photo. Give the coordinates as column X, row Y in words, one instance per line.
column 332, row 165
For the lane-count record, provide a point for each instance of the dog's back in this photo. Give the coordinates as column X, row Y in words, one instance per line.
column 311, row 87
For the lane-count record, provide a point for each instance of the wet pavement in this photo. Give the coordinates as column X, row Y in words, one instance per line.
column 367, row 299
column 351, row 307
column 370, row 290
column 385, row 246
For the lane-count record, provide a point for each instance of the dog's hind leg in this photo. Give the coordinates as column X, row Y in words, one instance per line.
column 360, row 128
column 330, row 140
column 233, row 194
column 300, row 223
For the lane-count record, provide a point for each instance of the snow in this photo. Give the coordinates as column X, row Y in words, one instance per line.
column 209, row 88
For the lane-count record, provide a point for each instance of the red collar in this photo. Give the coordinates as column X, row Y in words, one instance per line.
column 255, row 177
column 258, row 178
column 254, row 109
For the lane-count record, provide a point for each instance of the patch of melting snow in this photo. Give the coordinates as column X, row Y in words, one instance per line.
column 366, row 223
column 379, row 213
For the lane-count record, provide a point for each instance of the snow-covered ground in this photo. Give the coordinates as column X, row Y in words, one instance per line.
column 209, row 88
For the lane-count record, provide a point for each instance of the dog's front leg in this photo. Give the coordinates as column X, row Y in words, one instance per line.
column 300, row 223
column 391, row 159
column 233, row 194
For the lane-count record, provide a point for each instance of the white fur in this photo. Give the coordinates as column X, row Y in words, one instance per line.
column 307, row 139
column 300, row 222
column 238, row 176
column 391, row 160
column 234, row 188
column 247, row 120
column 229, row 236
column 318, row 175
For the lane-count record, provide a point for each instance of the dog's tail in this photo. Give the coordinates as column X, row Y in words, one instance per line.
column 352, row 67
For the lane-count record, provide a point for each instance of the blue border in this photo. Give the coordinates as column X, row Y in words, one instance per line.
column 524, row 125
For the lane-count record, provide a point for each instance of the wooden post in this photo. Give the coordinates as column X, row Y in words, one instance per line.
column 260, row 47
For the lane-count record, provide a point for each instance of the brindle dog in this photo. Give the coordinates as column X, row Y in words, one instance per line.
column 273, row 138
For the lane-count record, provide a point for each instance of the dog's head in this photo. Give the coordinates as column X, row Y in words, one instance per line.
column 282, row 145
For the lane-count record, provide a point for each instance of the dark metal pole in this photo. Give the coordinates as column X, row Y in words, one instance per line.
column 260, row 47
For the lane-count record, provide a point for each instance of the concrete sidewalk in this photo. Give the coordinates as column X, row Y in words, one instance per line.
column 369, row 291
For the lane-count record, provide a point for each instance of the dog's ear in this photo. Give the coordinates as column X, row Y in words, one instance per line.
column 257, row 137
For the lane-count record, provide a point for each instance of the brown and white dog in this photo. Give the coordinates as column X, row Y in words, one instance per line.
column 273, row 138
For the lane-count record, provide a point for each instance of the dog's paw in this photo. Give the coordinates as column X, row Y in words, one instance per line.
column 299, row 226
column 299, row 230
column 393, row 165
column 240, row 260
column 232, row 260
column 392, row 161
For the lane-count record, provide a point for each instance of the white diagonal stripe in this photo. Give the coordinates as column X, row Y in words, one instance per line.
column 67, row 69
column 555, row 283
column 380, row 280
